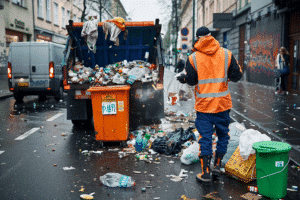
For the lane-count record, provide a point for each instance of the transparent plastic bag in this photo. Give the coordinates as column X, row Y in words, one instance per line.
column 247, row 139
column 235, row 131
column 190, row 155
column 179, row 92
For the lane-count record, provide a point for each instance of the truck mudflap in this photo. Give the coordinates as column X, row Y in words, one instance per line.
column 78, row 109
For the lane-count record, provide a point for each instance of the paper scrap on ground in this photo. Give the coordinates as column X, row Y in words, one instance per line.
column 68, row 168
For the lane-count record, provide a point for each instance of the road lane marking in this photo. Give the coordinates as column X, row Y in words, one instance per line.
column 21, row 137
column 54, row 117
column 1, row 152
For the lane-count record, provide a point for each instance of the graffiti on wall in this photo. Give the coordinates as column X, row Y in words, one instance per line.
column 3, row 53
column 264, row 48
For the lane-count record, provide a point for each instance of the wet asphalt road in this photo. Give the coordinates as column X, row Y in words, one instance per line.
column 27, row 168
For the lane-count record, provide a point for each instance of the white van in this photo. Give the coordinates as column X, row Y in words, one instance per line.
column 35, row 68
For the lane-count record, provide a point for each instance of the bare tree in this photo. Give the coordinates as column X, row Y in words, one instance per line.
column 83, row 15
column 100, row 5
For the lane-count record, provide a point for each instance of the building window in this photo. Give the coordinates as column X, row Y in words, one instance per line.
column 211, row 11
column 55, row 13
column 240, row 4
column 225, row 41
column 68, row 16
column 19, row 2
column 48, row 11
column 40, row 6
column 63, row 17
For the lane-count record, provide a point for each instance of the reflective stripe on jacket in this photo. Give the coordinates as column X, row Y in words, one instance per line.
column 211, row 92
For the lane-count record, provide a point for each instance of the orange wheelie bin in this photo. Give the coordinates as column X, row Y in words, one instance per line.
column 111, row 112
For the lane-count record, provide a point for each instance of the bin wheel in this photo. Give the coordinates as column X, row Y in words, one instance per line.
column 123, row 144
column 100, row 144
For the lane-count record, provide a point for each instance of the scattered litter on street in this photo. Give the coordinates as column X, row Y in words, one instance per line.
column 137, row 172
column 68, row 168
column 87, row 196
column 183, row 197
column 251, row 196
column 116, row 149
column 117, row 180
column 294, row 187
column 212, row 196
column 98, row 152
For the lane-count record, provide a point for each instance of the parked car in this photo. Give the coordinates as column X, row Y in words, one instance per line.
column 35, row 68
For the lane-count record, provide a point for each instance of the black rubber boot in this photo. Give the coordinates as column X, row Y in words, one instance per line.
column 205, row 175
column 217, row 164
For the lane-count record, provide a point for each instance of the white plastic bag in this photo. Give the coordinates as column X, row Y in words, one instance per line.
column 190, row 155
column 247, row 139
column 177, row 91
column 235, row 131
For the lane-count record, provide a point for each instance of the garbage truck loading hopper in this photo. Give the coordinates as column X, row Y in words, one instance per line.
column 143, row 38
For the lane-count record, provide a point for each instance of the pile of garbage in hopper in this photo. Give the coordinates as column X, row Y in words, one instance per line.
column 119, row 73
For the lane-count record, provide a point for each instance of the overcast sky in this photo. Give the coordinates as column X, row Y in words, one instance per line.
column 148, row 10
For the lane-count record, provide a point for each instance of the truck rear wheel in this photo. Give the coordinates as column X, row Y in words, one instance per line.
column 83, row 123
column 19, row 97
column 60, row 94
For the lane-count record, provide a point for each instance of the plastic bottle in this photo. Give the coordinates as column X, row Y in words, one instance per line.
column 145, row 140
column 34, row 106
column 141, row 157
column 117, row 180
column 139, row 143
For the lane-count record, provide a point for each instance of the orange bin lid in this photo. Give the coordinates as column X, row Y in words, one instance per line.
column 142, row 23
column 109, row 88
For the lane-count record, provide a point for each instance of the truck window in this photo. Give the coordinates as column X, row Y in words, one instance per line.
column 58, row 54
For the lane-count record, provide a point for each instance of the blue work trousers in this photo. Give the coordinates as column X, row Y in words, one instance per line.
column 204, row 125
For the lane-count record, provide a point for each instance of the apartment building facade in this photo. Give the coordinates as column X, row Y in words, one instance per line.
column 16, row 25
column 51, row 18
column 260, row 29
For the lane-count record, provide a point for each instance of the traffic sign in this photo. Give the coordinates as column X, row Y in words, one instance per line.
column 184, row 46
column 184, row 31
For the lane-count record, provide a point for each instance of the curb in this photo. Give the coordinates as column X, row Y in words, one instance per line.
column 6, row 96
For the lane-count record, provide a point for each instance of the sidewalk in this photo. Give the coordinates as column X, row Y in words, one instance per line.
column 258, row 108
column 275, row 115
column 4, row 90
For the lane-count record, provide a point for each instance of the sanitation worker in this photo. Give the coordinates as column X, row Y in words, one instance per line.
column 210, row 68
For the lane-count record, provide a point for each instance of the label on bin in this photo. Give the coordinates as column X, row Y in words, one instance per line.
column 109, row 104
column 121, row 106
column 279, row 164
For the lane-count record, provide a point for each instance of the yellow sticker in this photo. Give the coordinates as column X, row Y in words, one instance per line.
column 121, row 106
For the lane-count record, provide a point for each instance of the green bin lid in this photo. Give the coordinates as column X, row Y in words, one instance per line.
column 271, row 147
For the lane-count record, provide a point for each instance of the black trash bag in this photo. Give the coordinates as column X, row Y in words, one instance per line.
column 160, row 144
column 188, row 134
column 171, row 144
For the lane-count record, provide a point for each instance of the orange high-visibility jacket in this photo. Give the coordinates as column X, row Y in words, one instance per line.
column 212, row 63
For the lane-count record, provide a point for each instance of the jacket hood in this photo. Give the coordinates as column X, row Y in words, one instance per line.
column 207, row 45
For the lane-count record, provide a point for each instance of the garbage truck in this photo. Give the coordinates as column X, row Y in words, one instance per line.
column 143, row 44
